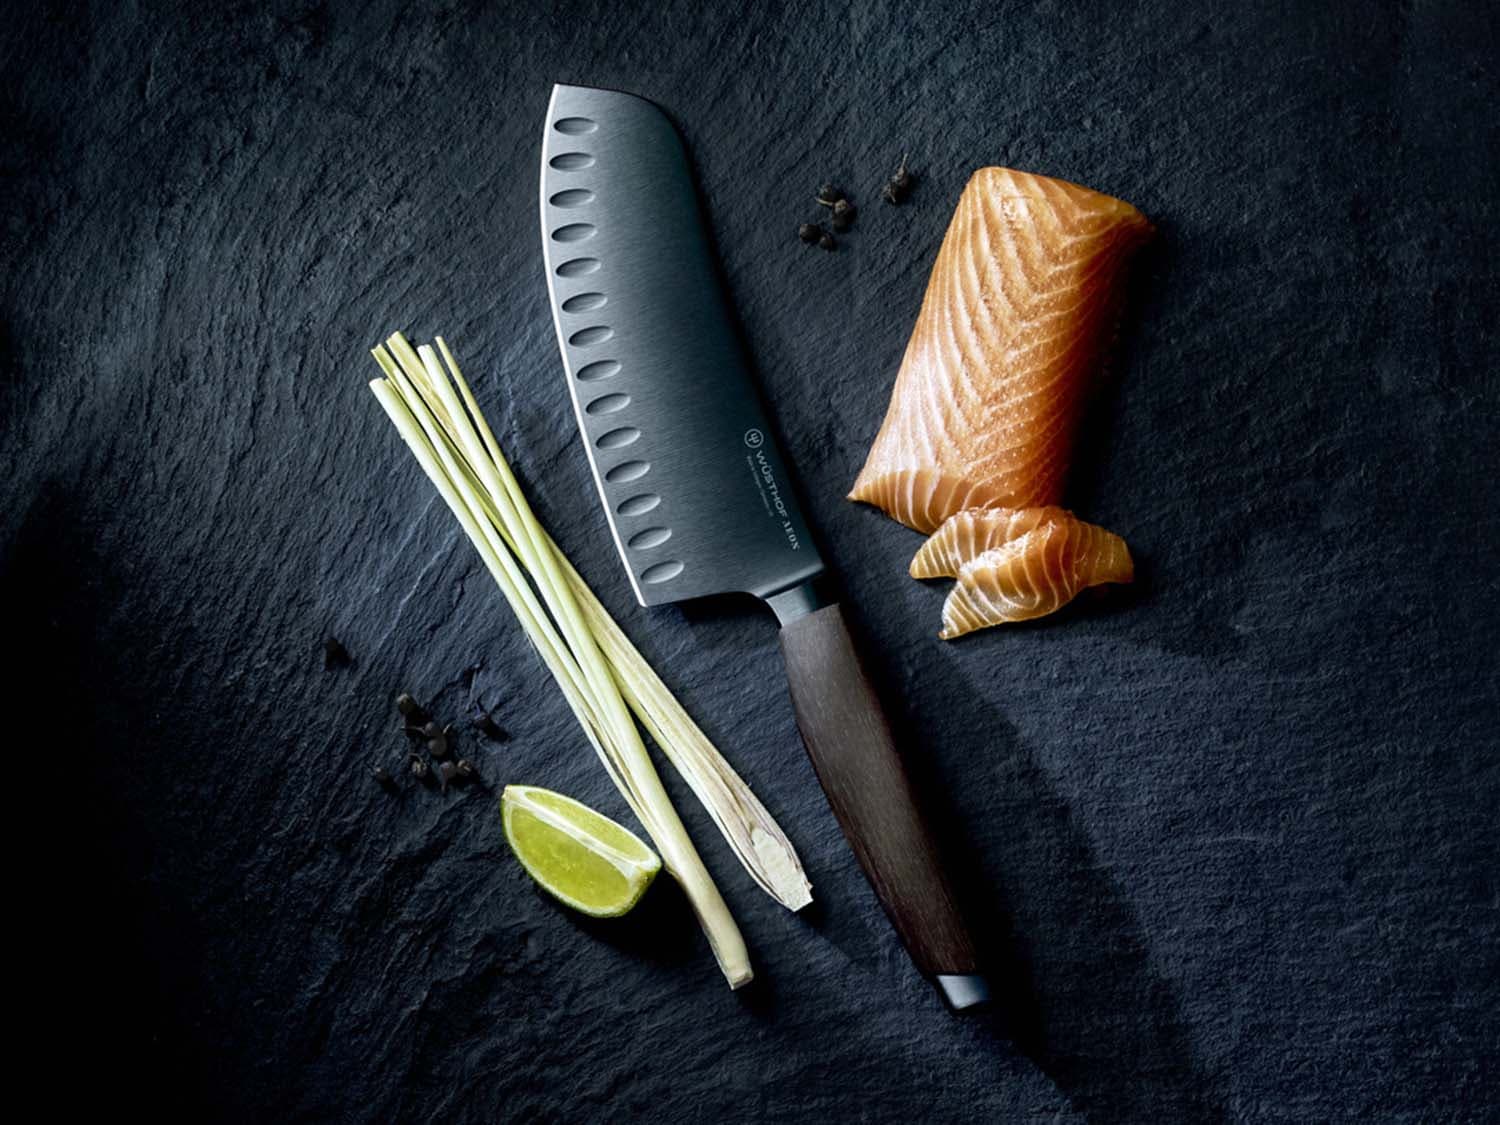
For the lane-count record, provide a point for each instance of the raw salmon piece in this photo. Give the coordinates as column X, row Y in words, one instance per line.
column 967, row 534
column 1033, row 575
column 1020, row 308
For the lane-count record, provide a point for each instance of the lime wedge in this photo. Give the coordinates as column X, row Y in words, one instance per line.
column 580, row 857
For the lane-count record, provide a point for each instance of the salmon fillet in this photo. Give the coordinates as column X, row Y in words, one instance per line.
column 967, row 534
column 1020, row 308
column 1034, row 574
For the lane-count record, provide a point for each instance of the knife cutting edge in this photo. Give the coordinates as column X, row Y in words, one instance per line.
column 698, row 496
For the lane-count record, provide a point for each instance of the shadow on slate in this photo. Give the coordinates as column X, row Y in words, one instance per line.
column 1095, row 435
column 661, row 927
column 123, row 1005
column 1105, row 1028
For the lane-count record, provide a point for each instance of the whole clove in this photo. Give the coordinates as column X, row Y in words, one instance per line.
column 809, row 232
column 826, row 242
column 410, row 709
column 419, row 767
column 437, row 739
column 447, row 771
column 485, row 724
column 828, row 195
column 903, row 180
column 335, row 655
column 899, row 186
column 465, row 769
column 843, row 215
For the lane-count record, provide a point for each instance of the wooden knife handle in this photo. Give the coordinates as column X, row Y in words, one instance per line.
column 850, row 744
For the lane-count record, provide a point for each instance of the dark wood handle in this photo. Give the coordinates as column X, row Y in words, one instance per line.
column 849, row 741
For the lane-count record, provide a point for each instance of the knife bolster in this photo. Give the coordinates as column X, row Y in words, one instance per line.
column 796, row 602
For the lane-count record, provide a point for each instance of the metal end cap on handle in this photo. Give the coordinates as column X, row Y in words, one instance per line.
column 967, row 990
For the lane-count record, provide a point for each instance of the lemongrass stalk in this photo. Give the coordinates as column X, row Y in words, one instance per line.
column 539, row 627
column 539, row 633
column 438, row 442
column 526, row 538
column 611, row 730
column 751, row 831
column 609, row 720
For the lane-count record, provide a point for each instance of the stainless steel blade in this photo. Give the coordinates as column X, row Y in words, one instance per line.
column 698, row 496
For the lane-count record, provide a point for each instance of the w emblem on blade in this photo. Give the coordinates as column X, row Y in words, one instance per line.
column 754, row 439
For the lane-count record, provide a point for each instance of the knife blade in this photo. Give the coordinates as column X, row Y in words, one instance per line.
column 698, row 496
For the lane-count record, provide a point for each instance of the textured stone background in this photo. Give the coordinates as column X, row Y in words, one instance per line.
column 1230, row 838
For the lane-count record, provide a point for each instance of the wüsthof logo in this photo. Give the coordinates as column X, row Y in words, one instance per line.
column 754, row 439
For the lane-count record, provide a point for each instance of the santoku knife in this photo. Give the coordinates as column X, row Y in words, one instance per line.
column 699, row 498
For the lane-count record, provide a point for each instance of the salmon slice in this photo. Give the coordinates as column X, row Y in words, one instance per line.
column 967, row 534
column 1034, row 574
column 1020, row 309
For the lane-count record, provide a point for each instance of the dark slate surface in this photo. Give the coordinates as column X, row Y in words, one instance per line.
column 1231, row 838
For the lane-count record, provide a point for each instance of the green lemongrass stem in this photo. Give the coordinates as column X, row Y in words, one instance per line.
column 526, row 540
column 751, row 831
column 563, row 609
column 518, row 591
column 635, row 775
column 749, row 828
column 588, row 662
column 541, row 634
column 439, row 445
